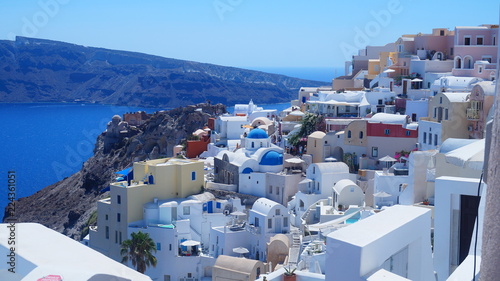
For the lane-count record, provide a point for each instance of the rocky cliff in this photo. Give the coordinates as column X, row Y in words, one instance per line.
column 36, row 70
column 67, row 205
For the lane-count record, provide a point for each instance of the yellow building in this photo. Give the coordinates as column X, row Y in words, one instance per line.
column 161, row 179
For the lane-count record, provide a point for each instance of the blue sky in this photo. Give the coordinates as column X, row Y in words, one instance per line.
column 241, row 33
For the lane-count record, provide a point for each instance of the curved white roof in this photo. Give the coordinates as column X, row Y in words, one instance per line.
column 263, row 120
column 488, row 87
column 332, row 167
column 451, row 144
column 412, row 126
column 245, row 266
column 341, row 184
column 456, row 97
column 230, row 155
column 317, row 135
column 387, row 118
column 264, row 206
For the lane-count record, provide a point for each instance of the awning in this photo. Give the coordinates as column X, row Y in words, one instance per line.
column 124, row 172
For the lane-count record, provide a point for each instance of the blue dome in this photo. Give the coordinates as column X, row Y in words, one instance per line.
column 247, row 170
column 272, row 158
column 257, row 134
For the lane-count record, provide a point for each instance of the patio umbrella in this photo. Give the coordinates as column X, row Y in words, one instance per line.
column 388, row 159
column 241, row 250
column 297, row 113
column 331, row 159
column 389, row 70
column 294, row 160
column 381, row 194
column 238, row 213
column 189, row 243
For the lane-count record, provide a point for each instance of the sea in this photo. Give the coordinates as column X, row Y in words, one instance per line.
column 42, row 143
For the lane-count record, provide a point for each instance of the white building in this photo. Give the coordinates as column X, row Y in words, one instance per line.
column 318, row 185
column 397, row 240
column 266, row 219
column 172, row 222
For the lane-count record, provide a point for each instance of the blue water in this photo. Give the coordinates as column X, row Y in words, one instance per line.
column 323, row 74
column 44, row 143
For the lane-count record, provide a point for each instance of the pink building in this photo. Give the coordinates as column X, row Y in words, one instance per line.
column 475, row 51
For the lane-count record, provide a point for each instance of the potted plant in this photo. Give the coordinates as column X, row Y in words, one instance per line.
column 289, row 274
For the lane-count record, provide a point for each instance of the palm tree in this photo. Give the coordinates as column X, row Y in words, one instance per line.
column 139, row 250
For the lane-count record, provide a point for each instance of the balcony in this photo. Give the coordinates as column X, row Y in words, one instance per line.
column 472, row 114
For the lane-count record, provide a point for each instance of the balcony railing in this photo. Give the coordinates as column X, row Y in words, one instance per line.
column 472, row 114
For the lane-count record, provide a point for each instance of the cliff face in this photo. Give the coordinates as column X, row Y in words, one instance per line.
column 36, row 70
column 67, row 205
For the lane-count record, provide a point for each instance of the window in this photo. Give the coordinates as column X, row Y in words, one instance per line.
column 315, row 143
column 277, row 190
column 425, row 137
column 408, row 133
column 270, row 189
column 166, row 277
column 107, row 232
column 193, row 176
column 374, row 151
column 190, row 275
column 118, row 199
column 446, row 114
column 494, row 40
column 486, row 58
column 253, row 145
column 467, row 40
column 441, row 32
column 256, row 222
column 116, row 236
column 440, row 100
column 361, row 134
column 158, row 246
column 451, row 51
column 217, row 205
column 106, row 216
column 347, row 109
column 380, row 101
column 278, row 212
column 170, row 247
column 479, row 40
column 349, row 134
column 314, row 169
column 435, row 112
column 269, row 223
column 186, row 210
column 430, row 138
column 285, row 222
column 120, row 237
column 118, row 217
column 387, row 131
column 435, row 139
